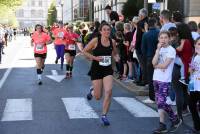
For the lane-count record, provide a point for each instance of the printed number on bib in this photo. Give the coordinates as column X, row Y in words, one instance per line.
column 106, row 61
column 72, row 47
column 60, row 34
column 39, row 47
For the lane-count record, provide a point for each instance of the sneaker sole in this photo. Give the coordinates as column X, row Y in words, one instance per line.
column 177, row 126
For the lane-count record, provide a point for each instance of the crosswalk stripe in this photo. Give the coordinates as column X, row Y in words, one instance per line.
column 78, row 108
column 18, row 110
column 135, row 107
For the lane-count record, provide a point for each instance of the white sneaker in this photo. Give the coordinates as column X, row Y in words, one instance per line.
column 148, row 101
column 170, row 102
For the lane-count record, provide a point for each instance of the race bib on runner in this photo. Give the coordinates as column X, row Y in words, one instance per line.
column 72, row 47
column 60, row 34
column 39, row 47
column 106, row 61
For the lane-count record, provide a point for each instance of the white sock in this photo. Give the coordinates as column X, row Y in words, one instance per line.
column 39, row 77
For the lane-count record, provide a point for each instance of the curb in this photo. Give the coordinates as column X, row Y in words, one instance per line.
column 136, row 90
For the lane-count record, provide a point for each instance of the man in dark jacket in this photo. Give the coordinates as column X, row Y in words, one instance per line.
column 148, row 48
column 143, row 14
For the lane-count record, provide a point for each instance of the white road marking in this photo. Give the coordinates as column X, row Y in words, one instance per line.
column 55, row 76
column 135, row 107
column 18, row 110
column 78, row 108
column 10, row 67
column 54, row 72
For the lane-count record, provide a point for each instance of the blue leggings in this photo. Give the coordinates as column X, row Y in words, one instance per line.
column 60, row 51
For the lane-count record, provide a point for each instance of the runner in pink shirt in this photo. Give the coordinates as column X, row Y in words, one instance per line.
column 60, row 35
column 70, row 50
column 39, row 41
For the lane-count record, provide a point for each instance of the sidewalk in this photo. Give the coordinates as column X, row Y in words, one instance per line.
column 141, row 93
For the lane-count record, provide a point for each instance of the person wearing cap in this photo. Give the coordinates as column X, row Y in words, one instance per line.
column 60, row 35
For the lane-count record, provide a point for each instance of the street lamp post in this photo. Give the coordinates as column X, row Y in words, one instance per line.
column 62, row 4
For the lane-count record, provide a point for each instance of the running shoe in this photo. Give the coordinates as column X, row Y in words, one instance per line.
column 39, row 82
column 89, row 95
column 70, row 74
column 67, row 75
column 104, row 120
column 175, row 125
column 56, row 61
column 161, row 129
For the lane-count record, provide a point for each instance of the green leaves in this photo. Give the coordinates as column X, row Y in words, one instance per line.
column 131, row 8
column 52, row 14
column 7, row 11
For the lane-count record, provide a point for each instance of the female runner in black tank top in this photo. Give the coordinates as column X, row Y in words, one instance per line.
column 101, row 70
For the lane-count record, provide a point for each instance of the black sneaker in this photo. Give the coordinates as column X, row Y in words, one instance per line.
column 56, row 61
column 39, row 82
column 89, row 95
column 104, row 120
column 175, row 125
column 161, row 129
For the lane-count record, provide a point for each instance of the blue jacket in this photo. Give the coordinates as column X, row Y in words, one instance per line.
column 149, row 42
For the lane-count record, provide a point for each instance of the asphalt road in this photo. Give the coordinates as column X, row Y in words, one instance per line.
column 59, row 106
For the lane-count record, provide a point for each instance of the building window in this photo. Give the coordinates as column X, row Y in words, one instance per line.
column 32, row 3
column 40, row 3
column 33, row 13
column 40, row 13
column 20, row 13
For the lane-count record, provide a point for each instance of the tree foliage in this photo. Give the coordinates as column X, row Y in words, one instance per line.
column 131, row 8
column 7, row 11
column 52, row 14
column 11, row 3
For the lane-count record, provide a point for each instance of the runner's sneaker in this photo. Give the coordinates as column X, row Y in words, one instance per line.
column 70, row 74
column 161, row 129
column 56, row 61
column 89, row 95
column 39, row 82
column 67, row 75
column 104, row 120
column 175, row 125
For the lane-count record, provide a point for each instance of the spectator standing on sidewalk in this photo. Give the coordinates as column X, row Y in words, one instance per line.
column 114, row 17
column 165, row 20
column 143, row 15
column 185, row 53
column 163, row 62
column 1, row 41
column 194, row 30
column 195, row 88
column 149, row 45
column 166, row 25
column 128, row 36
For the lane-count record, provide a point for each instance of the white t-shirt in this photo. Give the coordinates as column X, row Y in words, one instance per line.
column 196, row 74
column 165, row 75
column 167, row 26
column 195, row 35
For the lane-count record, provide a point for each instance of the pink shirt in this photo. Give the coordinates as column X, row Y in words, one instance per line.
column 134, row 39
column 60, row 35
column 40, row 42
column 70, row 41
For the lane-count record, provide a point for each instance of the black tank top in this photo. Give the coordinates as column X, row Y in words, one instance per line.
column 101, row 50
